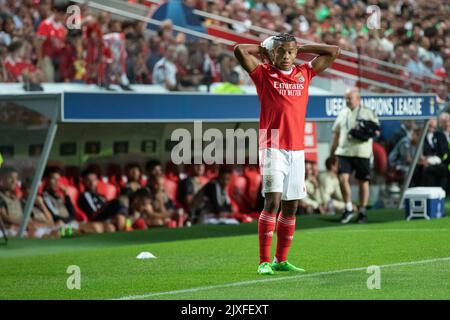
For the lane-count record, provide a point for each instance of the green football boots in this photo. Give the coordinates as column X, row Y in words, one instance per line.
column 286, row 266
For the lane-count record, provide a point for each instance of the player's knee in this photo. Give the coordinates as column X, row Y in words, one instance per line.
column 272, row 204
column 290, row 208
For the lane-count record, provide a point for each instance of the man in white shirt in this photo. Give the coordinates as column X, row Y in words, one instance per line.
column 353, row 154
column 165, row 70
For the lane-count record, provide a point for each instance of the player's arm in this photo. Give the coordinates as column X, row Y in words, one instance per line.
column 247, row 55
column 326, row 55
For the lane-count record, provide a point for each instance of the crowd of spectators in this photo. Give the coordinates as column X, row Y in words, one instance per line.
column 412, row 33
column 36, row 46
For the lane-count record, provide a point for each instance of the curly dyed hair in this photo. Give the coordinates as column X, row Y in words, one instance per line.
column 284, row 37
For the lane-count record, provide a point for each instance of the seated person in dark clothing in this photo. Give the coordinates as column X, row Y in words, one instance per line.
column 134, row 176
column 56, row 199
column 432, row 162
column 111, row 213
column 213, row 198
column 60, row 206
column 190, row 186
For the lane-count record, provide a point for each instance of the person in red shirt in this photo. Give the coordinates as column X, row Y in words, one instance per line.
column 19, row 69
column 282, row 88
column 98, row 56
column 52, row 35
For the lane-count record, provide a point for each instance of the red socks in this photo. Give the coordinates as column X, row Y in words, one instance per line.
column 266, row 227
column 285, row 233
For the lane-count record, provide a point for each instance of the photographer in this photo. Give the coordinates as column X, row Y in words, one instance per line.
column 353, row 130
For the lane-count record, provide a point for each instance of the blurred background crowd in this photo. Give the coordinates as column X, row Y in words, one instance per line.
column 36, row 46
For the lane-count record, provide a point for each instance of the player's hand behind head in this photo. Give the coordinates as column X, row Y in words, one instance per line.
column 267, row 48
column 268, row 44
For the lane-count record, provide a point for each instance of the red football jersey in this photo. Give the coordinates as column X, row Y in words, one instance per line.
column 54, row 35
column 16, row 67
column 283, row 99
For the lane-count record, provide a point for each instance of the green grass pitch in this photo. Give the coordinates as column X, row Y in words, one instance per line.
column 219, row 262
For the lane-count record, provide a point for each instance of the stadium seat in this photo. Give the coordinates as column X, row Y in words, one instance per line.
column 171, row 188
column 251, row 173
column 107, row 190
column 172, row 171
column 117, row 181
column 380, row 158
column 73, row 194
column 64, row 181
column 211, row 171
column 237, row 191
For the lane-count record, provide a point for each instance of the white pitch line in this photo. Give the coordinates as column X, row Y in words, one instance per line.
column 250, row 282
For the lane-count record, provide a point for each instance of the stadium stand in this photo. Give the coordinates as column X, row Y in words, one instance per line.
column 409, row 52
